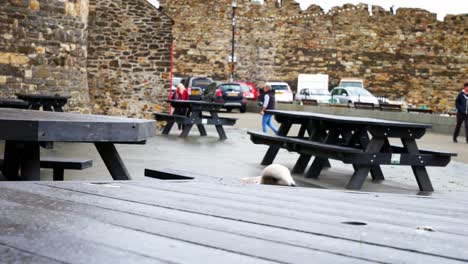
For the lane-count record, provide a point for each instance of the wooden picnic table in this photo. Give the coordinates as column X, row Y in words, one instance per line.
column 194, row 116
column 13, row 103
column 194, row 222
column 23, row 131
column 347, row 139
column 48, row 102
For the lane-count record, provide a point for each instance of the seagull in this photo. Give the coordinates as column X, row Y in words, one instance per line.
column 275, row 174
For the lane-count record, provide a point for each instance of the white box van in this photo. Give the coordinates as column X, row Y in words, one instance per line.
column 313, row 87
column 352, row 82
column 282, row 90
column 312, row 81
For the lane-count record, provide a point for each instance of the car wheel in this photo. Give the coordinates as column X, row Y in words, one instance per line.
column 350, row 104
column 229, row 110
column 243, row 109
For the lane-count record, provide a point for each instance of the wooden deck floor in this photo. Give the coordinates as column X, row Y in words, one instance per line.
column 194, row 222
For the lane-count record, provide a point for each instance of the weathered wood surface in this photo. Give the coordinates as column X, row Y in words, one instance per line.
column 347, row 119
column 30, row 125
column 193, row 222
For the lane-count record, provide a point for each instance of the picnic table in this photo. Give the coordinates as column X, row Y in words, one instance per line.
column 48, row 102
column 194, row 116
column 13, row 103
column 195, row 222
column 23, row 130
column 347, row 139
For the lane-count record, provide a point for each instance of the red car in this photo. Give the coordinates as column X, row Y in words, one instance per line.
column 249, row 89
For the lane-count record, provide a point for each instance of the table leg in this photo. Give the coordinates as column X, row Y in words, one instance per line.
column 219, row 128
column 361, row 172
column 302, row 131
column 376, row 171
column 194, row 115
column 320, row 163
column 202, row 130
column 167, row 128
column 12, row 161
column 34, row 106
column 113, row 161
column 31, row 162
column 273, row 150
column 47, row 107
column 304, row 159
column 420, row 172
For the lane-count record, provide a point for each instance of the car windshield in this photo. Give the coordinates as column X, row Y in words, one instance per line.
column 244, row 87
column 201, row 82
column 230, row 87
column 319, row 92
column 358, row 91
column 279, row 87
column 351, row 84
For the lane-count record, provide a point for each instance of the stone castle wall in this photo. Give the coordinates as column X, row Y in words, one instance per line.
column 409, row 55
column 129, row 57
column 43, row 48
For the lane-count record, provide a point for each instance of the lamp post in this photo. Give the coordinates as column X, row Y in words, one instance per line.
column 234, row 5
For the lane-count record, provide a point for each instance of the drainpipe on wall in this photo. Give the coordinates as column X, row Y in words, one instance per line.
column 171, row 73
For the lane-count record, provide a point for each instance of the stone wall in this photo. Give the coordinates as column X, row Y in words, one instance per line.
column 128, row 57
column 409, row 55
column 43, row 48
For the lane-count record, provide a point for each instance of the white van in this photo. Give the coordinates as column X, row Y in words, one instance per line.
column 352, row 82
column 282, row 90
column 312, row 82
column 313, row 87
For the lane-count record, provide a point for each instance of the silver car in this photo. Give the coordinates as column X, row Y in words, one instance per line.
column 351, row 95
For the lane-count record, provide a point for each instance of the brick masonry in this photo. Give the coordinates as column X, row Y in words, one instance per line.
column 43, row 49
column 409, row 55
column 128, row 57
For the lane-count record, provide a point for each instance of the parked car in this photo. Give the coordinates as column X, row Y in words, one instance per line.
column 282, row 90
column 196, row 85
column 249, row 89
column 320, row 95
column 228, row 94
column 350, row 95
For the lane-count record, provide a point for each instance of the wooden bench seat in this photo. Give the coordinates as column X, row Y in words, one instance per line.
column 419, row 110
column 354, row 156
column 59, row 165
column 169, row 117
column 390, row 107
column 361, row 105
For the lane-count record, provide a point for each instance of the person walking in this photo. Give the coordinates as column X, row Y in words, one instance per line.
column 181, row 93
column 268, row 104
column 462, row 113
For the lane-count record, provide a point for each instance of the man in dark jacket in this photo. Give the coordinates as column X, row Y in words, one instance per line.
column 269, row 102
column 462, row 113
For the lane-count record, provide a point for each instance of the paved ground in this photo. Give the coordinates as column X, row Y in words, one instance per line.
column 227, row 161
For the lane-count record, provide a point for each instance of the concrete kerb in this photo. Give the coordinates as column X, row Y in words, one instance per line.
column 440, row 124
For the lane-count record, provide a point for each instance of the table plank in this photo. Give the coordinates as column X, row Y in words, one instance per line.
column 347, row 119
column 287, row 235
column 102, row 240
column 30, row 125
column 450, row 246
column 12, row 255
column 207, row 237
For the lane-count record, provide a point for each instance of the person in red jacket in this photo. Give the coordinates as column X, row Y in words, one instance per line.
column 181, row 93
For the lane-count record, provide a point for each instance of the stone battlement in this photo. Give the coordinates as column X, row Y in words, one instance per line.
column 409, row 55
